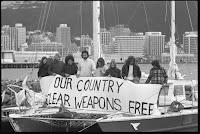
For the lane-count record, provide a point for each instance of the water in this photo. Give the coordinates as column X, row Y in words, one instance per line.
column 191, row 71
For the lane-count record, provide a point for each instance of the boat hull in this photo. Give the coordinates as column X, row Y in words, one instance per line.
column 5, row 125
column 184, row 123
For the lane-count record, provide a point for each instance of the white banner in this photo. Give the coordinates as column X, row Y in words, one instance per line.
column 101, row 94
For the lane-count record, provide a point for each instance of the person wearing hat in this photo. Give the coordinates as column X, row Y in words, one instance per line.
column 56, row 67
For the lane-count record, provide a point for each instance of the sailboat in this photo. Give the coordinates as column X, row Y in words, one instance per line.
column 104, row 104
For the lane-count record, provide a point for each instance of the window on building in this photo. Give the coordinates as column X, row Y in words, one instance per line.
column 178, row 90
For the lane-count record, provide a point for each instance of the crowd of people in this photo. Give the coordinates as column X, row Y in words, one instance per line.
column 86, row 68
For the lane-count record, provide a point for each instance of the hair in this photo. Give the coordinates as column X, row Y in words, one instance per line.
column 41, row 62
column 101, row 60
column 155, row 63
column 129, row 60
column 113, row 61
column 85, row 51
column 69, row 57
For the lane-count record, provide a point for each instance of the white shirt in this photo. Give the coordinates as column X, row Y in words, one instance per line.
column 130, row 73
column 86, row 67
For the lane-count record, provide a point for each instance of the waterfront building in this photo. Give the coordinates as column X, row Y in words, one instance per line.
column 63, row 35
column 165, row 58
column 105, row 37
column 47, row 46
column 131, row 45
column 6, row 42
column 119, row 30
column 85, row 40
column 7, row 56
column 73, row 48
column 190, row 43
column 154, row 43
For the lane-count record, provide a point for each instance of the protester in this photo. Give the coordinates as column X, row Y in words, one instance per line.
column 70, row 68
column 157, row 74
column 100, row 68
column 113, row 71
column 56, row 66
column 131, row 71
column 43, row 68
column 86, row 66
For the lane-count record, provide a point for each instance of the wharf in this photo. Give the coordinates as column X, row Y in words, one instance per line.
column 19, row 65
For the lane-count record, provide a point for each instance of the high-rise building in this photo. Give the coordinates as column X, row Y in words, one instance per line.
column 17, row 35
column 63, row 35
column 154, row 43
column 6, row 42
column 105, row 37
column 132, row 45
column 85, row 40
column 190, row 43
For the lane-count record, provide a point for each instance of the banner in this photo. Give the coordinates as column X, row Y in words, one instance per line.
column 101, row 94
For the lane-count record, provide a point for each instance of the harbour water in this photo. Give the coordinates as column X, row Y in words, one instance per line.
column 191, row 71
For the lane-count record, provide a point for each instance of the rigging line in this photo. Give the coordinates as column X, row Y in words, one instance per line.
column 146, row 16
column 113, row 12
column 43, row 18
column 40, row 16
column 47, row 16
column 117, row 13
column 52, row 14
column 189, row 15
column 133, row 13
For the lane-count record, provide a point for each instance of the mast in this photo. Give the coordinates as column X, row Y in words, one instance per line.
column 96, row 30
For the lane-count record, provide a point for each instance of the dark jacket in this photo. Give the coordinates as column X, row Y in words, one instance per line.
column 114, row 72
column 43, row 70
column 70, row 69
column 125, row 70
column 56, row 67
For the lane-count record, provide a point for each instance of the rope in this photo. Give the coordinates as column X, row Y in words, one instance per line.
column 189, row 15
column 146, row 16
column 133, row 13
column 113, row 12
column 40, row 16
column 47, row 15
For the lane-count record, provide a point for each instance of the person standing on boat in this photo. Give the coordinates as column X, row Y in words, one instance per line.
column 56, row 66
column 113, row 71
column 100, row 68
column 86, row 66
column 157, row 74
column 70, row 68
column 43, row 68
column 131, row 71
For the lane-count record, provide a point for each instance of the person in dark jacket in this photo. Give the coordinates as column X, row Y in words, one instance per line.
column 43, row 68
column 131, row 71
column 113, row 71
column 56, row 66
column 70, row 68
column 157, row 74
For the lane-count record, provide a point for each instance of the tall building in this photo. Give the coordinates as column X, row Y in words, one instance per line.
column 131, row 45
column 6, row 42
column 105, row 37
column 17, row 35
column 119, row 30
column 63, row 35
column 190, row 43
column 154, row 43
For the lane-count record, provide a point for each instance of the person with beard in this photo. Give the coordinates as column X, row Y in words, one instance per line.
column 131, row 71
column 56, row 67
column 70, row 68
column 86, row 66
column 113, row 71
column 43, row 68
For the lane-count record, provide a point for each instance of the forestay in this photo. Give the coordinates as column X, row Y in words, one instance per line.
column 105, row 94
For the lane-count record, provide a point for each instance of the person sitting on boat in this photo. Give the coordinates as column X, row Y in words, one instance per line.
column 70, row 68
column 56, row 66
column 86, row 66
column 43, row 68
column 131, row 71
column 100, row 68
column 157, row 74
column 113, row 71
